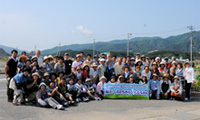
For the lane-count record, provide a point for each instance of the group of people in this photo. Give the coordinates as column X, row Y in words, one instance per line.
column 60, row 81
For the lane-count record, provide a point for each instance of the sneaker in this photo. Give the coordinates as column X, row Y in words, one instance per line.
column 99, row 98
column 77, row 100
column 186, row 99
column 15, row 104
column 10, row 100
column 66, row 104
column 158, row 97
column 60, row 107
column 72, row 102
column 87, row 98
column 96, row 98
column 84, row 99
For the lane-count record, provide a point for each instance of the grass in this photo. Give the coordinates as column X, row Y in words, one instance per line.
column 126, row 97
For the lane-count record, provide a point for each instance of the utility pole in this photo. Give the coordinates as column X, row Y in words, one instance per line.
column 35, row 47
column 129, row 34
column 93, row 47
column 58, row 52
column 191, row 37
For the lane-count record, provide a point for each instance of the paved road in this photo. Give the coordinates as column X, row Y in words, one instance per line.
column 104, row 110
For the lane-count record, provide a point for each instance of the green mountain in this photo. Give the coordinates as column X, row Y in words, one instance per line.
column 3, row 53
column 141, row 45
column 9, row 49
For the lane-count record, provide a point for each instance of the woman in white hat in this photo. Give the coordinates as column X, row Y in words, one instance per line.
column 46, row 63
column 189, row 75
column 100, row 87
column 94, row 73
column 43, row 99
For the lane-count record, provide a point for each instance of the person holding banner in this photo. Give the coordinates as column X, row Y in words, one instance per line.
column 126, row 73
column 154, row 87
column 120, row 79
column 100, row 87
column 133, row 79
column 112, row 80
column 143, row 80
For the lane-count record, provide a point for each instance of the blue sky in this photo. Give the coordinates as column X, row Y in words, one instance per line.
column 45, row 23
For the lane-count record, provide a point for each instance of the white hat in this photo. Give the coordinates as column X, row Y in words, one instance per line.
column 174, row 62
column 36, row 74
column 103, row 77
column 102, row 60
column 157, row 58
column 46, row 57
column 42, row 83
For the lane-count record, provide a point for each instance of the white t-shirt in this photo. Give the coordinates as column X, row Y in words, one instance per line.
column 76, row 64
column 147, row 74
column 93, row 72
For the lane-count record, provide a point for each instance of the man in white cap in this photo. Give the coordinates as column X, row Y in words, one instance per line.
column 101, row 68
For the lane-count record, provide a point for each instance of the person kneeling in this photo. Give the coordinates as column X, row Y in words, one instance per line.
column 43, row 99
column 176, row 89
column 18, row 83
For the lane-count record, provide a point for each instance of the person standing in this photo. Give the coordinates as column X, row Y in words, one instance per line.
column 101, row 68
column 39, row 57
column 77, row 63
column 68, row 64
column 10, row 72
column 189, row 75
column 118, row 67
column 60, row 66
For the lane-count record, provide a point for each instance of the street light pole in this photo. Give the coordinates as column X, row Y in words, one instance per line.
column 129, row 34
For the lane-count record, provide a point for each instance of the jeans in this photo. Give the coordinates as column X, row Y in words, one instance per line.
column 48, row 102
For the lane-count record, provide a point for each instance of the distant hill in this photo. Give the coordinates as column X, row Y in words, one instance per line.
column 9, row 49
column 162, row 54
column 3, row 53
column 139, row 45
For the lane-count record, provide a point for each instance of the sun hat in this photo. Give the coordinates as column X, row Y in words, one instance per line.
column 103, row 77
column 46, row 74
column 36, row 74
column 87, row 79
column 42, row 83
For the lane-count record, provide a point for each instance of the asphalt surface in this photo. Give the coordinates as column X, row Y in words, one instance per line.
column 106, row 109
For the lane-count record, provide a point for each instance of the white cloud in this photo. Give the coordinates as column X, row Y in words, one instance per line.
column 84, row 30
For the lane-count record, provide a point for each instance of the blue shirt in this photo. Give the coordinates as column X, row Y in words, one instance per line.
column 154, row 85
column 20, row 78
